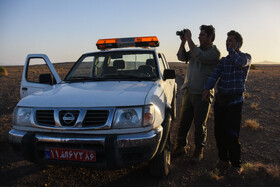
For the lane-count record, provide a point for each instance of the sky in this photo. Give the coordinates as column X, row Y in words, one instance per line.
column 66, row 29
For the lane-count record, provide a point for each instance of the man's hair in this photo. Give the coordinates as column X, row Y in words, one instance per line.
column 237, row 37
column 209, row 29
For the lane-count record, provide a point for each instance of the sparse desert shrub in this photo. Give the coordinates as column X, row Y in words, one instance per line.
column 256, row 170
column 252, row 124
column 215, row 175
column 3, row 71
column 253, row 66
column 247, row 95
column 255, row 106
column 272, row 96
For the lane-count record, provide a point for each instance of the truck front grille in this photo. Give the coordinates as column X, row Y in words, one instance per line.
column 68, row 117
column 95, row 118
column 88, row 118
column 45, row 117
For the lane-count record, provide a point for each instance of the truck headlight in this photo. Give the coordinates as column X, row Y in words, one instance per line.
column 149, row 115
column 134, row 117
column 22, row 116
column 128, row 117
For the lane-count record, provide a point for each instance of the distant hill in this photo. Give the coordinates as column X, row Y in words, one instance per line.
column 266, row 62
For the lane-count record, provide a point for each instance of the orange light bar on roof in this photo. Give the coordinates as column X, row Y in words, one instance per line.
column 106, row 43
column 147, row 41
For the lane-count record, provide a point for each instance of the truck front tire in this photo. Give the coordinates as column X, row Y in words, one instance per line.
column 159, row 166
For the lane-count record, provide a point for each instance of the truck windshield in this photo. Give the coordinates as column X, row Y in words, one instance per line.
column 118, row 65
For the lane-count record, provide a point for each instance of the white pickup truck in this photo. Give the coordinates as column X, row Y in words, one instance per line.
column 112, row 110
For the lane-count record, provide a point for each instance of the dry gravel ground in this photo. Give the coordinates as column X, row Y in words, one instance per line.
column 259, row 137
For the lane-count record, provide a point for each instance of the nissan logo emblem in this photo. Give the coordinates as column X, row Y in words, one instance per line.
column 68, row 118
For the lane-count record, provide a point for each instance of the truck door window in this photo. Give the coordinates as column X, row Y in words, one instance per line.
column 37, row 67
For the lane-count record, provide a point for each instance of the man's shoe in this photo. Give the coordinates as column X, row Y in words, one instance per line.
column 198, row 155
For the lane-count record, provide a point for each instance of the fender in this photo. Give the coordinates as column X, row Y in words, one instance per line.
column 166, row 124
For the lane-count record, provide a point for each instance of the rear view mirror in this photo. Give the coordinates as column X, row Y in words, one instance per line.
column 169, row 74
column 46, row 79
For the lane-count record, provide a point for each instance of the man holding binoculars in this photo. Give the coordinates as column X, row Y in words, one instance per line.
column 202, row 61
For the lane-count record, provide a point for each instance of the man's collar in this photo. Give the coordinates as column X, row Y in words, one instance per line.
column 207, row 47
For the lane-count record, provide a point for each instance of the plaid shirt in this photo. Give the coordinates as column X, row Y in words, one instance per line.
column 231, row 73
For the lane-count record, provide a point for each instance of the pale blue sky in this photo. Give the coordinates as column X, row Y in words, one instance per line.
column 65, row 29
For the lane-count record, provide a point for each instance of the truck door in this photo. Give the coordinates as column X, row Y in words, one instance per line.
column 38, row 74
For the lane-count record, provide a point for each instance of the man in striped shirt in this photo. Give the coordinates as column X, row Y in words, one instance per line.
column 230, row 73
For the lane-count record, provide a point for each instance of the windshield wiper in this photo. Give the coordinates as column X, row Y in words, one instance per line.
column 126, row 77
column 79, row 79
column 83, row 79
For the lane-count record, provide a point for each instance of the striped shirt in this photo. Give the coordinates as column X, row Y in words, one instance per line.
column 231, row 73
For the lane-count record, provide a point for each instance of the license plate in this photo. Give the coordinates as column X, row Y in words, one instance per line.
column 70, row 154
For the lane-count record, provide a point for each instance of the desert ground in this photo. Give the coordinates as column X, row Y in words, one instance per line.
column 259, row 137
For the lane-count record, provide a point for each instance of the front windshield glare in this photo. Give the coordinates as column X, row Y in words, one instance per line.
column 114, row 65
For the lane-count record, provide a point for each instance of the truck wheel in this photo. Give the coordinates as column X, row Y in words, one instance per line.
column 160, row 165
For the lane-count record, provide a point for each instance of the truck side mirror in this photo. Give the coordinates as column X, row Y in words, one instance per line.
column 46, row 79
column 169, row 74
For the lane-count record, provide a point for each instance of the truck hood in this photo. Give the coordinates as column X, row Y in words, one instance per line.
column 90, row 94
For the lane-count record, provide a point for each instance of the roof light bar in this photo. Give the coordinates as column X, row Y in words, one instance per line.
column 147, row 41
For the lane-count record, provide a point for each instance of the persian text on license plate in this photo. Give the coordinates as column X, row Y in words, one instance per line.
column 70, row 154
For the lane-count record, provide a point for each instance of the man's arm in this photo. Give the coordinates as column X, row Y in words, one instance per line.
column 240, row 59
column 211, row 82
column 214, row 76
column 243, row 60
column 188, row 37
column 182, row 54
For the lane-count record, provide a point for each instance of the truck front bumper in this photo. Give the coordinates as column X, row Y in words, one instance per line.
column 112, row 151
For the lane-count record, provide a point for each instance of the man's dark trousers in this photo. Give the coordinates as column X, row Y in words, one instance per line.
column 227, row 127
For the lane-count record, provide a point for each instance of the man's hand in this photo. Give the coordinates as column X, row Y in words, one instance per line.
column 230, row 50
column 206, row 96
column 188, row 38
column 188, row 35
